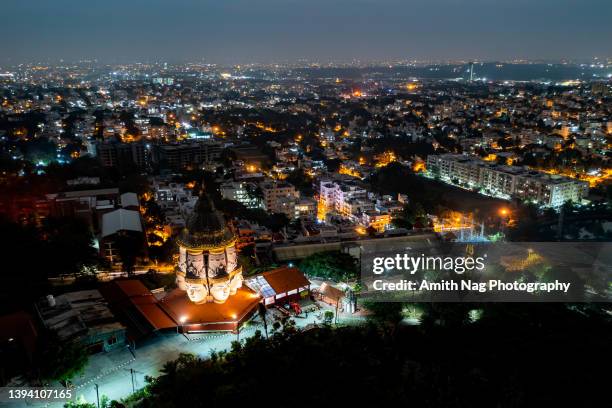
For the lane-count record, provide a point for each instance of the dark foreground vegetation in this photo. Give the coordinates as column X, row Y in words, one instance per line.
column 514, row 355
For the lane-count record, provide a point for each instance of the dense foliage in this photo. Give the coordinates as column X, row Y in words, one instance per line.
column 518, row 355
column 332, row 265
column 59, row 360
column 60, row 246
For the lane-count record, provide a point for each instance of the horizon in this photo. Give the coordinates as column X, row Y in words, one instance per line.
column 595, row 62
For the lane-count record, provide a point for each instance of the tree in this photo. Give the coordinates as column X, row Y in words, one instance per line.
column 328, row 317
column 400, row 222
column 72, row 239
column 371, row 231
column 409, row 367
column 333, row 165
column 414, row 212
column 59, row 360
column 129, row 247
column 254, row 192
column 261, row 309
column 450, row 315
column 276, row 222
column 385, row 314
column 134, row 183
column 164, row 252
column 333, row 265
column 40, row 150
column 79, row 404
column 301, row 181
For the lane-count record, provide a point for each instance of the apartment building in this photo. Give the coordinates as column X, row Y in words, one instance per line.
column 239, row 191
column 113, row 154
column 507, row 181
column 190, row 154
column 279, row 197
column 351, row 201
column 344, row 198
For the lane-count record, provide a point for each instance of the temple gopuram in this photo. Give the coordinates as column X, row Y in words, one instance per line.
column 207, row 269
column 210, row 295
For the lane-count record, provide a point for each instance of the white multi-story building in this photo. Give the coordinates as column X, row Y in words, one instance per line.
column 238, row 191
column 507, row 181
column 279, row 197
column 342, row 197
column 351, row 202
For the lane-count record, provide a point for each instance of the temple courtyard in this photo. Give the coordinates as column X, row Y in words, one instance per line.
column 112, row 371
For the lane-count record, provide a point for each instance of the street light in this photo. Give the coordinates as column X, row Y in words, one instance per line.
column 97, row 395
column 182, row 320
column 504, row 213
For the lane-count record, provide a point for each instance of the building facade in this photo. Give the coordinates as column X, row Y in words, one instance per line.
column 279, row 198
column 188, row 154
column 507, row 182
column 238, row 191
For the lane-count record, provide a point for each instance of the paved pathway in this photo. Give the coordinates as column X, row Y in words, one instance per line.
column 111, row 371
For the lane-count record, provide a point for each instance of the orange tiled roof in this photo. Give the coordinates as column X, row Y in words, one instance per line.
column 125, row 292
column 285, row 279
column 178, row 305
column 331, row 292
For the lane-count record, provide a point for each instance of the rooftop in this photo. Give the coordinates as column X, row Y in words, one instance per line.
column 276, row 281
column 179, row 307
column 129, row 200
column 76, row 314
column 131, row 293
column 120, row 220
column 84, row 193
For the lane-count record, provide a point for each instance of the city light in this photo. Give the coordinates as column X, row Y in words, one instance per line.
column 182, row 223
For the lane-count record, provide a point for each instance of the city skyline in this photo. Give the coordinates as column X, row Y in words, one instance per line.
column 274, row 31
column 204, row 198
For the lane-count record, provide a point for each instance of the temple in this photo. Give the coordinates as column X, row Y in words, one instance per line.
column 211, row 294
column 207, row 269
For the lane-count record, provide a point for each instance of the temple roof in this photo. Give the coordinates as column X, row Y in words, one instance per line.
column 176, row 304
column 206, row 227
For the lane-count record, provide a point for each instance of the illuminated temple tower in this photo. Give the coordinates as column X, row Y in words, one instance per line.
column 207, row 269
column 210, row 295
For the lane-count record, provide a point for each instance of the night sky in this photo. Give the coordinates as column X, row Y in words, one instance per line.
column 239, row 31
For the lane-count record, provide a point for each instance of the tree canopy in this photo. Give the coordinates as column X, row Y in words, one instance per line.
column 59, row 360
column 512, row 356
column 333, row 265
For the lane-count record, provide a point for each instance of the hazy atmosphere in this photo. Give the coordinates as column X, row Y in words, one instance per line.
column 287, row 30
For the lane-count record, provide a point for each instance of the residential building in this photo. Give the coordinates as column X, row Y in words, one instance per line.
column 239, row 191
column 547, row 190
column 279, row 197
column 82, row 316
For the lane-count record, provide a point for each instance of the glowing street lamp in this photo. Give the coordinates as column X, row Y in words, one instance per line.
column 182, row 320
column 503, row 212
